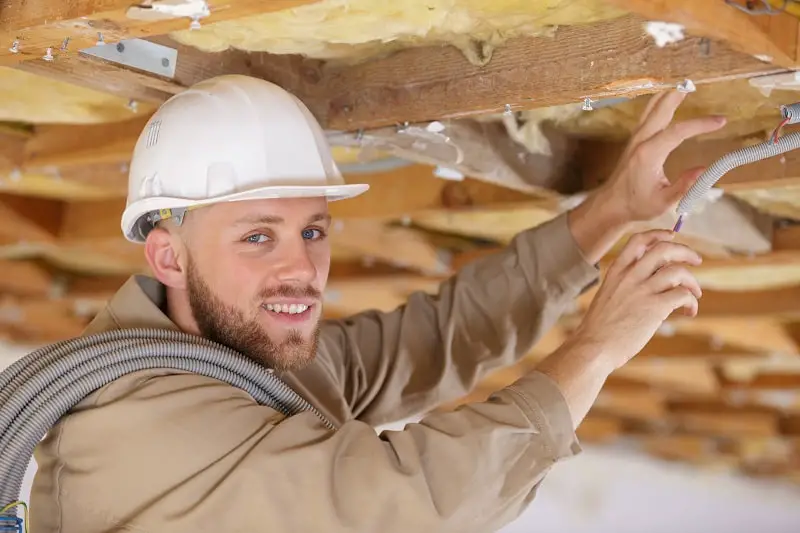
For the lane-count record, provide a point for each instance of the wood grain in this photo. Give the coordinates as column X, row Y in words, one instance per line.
column 601, row 60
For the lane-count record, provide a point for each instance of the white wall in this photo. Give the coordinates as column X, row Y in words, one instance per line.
column 617, row 491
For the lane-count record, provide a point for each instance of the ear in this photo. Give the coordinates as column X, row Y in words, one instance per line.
column 165, row 254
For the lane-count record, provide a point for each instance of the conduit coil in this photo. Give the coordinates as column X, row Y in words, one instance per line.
column 40, row 388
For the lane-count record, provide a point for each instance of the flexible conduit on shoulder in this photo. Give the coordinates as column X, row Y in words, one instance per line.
column 749, row 154
column 44, row 385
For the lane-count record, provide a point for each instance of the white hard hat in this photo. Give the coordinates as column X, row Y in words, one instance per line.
column 225, row 139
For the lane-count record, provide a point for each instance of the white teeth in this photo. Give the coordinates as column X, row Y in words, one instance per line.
column 292, row 309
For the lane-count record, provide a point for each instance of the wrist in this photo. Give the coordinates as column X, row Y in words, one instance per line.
column 598, row 223
column 587, row 356
column 605, row 209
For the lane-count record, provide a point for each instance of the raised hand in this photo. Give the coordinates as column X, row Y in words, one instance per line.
column 638, row 187
column 643, row 286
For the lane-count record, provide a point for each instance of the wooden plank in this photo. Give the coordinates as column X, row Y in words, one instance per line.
column 294, row 73
column 24, row 278
column 693, row 346
column 601, row 60
column 59, row 145
column 28, row 221
column 781, row 303
column 715, row 20
column 37, row 26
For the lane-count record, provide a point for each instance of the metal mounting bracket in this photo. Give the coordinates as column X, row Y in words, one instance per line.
column 138, row 54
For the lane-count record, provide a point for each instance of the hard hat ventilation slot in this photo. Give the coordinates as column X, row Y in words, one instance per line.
column 152, row 133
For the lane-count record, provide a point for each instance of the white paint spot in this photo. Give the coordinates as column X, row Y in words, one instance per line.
column 448, row 173
column 764, row 58
column 664, row 33
column 435, row 127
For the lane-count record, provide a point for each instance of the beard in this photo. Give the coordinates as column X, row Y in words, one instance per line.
column 227, row 325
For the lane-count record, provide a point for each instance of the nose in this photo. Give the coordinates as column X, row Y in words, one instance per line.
column 295, row 264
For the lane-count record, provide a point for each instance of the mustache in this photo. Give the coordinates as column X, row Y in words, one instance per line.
column 290, row 291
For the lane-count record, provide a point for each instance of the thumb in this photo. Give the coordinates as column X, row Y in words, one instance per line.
column 682, row 185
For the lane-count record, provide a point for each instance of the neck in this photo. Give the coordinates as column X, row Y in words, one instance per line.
column 179, row 311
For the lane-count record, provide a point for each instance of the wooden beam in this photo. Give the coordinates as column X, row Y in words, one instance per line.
column 781, row 303
column 605, row 59
column 595, row 61
column 294, row 73
column 715, row 20
column 59, row 145
column 28, row 221
column 37, row 26
column 25, row 278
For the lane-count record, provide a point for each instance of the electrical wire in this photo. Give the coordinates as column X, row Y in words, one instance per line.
column 768, row 8
column 18, row 503
column 749, row 154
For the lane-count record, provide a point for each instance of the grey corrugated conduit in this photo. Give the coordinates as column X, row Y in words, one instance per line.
column 43, row 386
column 749, row 154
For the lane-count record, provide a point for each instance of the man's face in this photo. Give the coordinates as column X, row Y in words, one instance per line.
column 255, row 275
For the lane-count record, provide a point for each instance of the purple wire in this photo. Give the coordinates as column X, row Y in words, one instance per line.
column 678, row 224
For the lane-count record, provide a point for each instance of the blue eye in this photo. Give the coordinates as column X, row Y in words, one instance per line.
column 309, row 233
column 258, row 238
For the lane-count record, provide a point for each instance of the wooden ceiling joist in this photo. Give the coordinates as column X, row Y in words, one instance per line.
column 602, row 60
column 723, row 22
column 68, row 27
column 605, row 59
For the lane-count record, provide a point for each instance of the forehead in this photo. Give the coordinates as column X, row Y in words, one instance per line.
column 276, row 210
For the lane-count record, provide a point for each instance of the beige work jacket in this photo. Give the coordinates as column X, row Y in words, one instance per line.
column 165, row 451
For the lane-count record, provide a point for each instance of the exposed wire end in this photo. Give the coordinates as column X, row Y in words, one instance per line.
column 777, row 132
column 678, row 224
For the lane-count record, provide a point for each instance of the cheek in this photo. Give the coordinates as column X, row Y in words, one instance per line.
column 321, row 258
column 234, row 281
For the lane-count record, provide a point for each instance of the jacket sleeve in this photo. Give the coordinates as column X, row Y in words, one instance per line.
column 185, row 453
column 435, row 348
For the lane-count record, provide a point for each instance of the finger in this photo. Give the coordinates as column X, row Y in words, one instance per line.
column 636, row 247
column 661, row 254
column 672, row 276
column 672, row 137
column 661, row 115
column 680, row 297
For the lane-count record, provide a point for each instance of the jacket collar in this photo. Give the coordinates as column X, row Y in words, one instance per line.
column 139, row 303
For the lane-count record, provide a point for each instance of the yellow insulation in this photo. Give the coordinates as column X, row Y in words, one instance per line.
column 353, row 30
column 37, row 99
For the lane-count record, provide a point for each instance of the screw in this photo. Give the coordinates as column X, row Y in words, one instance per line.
column 133, row 105
column 65, row 43
column 587, row 104
column 507, row 109
column 100, row 40
column 14, row 47
column 164, row 62
column 120, row 47
column 49, row 55
column 686, row 86
column 195, row 25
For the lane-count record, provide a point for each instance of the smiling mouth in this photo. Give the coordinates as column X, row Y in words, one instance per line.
column 286, row 309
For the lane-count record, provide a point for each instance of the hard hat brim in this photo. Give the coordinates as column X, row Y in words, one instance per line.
column 133, row 216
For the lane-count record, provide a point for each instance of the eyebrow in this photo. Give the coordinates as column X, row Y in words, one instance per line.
column 271, row 219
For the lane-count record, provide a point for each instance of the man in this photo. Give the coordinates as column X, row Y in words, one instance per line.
column 229, row 185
